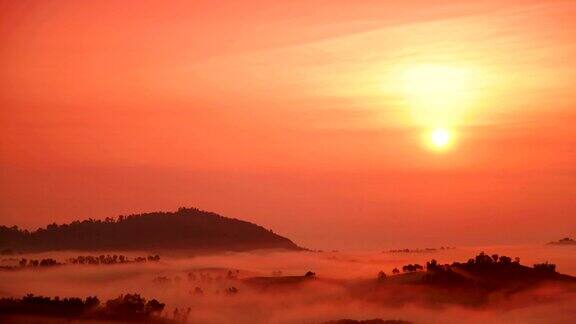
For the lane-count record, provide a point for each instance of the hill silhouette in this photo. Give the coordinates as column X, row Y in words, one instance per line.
column 477, row 282
column 187, row 228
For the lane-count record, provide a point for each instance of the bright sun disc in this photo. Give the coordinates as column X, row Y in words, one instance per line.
column 440, row 138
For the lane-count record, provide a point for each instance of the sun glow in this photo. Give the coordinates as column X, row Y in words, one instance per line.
column 437, row 94
column 440, row 138
column 438, row 97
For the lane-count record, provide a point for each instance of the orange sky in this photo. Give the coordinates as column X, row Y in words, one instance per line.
column 298, row 115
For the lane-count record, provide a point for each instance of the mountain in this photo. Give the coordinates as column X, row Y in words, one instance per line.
column 187, row 228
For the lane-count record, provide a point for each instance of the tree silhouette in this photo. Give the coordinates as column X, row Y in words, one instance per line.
column 412, row 268
column 129, row 307
column 495, row 257
column 310, row 274
column 381, row 275
column 545, row 267
column 432, row 265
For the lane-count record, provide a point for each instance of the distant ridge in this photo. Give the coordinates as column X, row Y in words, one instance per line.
column 187, row 228
column 564, row 241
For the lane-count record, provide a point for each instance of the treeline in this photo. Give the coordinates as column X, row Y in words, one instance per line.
column 48, row 262
column 185, row 228
column 424, row 250
column 24, row 263
column 129, row 307
column 111, row 259
column 481, row 263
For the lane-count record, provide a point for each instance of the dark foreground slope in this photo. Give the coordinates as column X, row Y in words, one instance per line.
column 188, row 228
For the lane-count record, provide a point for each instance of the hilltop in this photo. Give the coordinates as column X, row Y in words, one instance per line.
column 187, row 228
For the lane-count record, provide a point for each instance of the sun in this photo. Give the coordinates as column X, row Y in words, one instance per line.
column 440, row 138
column 439, row 98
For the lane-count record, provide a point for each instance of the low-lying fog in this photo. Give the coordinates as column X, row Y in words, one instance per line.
column 169, row 281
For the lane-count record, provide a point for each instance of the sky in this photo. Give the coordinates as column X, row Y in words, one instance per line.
column 339, row 124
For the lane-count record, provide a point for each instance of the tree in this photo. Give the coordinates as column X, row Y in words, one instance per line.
column 495, row 257
column 92, row 302
column 310, row 274
column 432, row 265
column 482, row 258
column 381, row 275
column 505, row 259
column 127, row 305
column 545, row 267
column 23, row 262
column 154, row 307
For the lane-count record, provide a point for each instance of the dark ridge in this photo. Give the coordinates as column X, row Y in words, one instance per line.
column 564, row 241
column 187, row 228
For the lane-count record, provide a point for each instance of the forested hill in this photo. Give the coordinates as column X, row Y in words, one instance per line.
column 187, row 228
